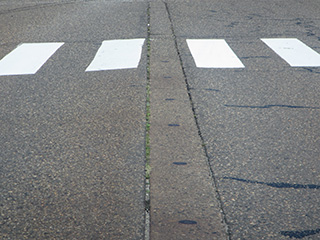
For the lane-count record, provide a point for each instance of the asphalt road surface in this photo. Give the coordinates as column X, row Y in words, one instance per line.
column 260, row 123
column 72, row 141
column 234, row 119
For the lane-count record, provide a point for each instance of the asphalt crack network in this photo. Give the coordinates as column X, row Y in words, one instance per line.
column 214, row 181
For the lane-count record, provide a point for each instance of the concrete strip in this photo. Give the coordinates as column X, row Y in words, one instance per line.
column 184, row 204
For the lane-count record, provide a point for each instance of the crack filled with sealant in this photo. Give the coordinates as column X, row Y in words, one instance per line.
column 214, row 181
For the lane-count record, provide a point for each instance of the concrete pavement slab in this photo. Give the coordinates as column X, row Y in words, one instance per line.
column 184, row 203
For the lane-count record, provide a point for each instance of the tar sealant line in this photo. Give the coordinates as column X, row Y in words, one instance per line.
column 213, row 53
column 294, row 52
column 117, row 54
column 27, row 58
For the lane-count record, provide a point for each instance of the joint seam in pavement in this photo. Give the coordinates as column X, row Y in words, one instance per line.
column 147, row 135
column 214, row 181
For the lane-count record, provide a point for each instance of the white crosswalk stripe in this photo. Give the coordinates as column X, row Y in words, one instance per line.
column 27, row 58
column 117, row 54
column 294, row 52
column 213, row 53
column 216, row 53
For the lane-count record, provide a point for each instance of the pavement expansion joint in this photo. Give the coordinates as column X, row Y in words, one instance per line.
column 182, row 183
column 147, row 134
column 214, row 181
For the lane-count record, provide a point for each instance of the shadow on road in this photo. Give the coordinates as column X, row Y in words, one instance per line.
column 271, row 106
column 291, row 234
column 300, row 234
column 277, row 185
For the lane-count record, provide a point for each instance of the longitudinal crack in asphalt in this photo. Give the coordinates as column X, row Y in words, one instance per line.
column 214, row 181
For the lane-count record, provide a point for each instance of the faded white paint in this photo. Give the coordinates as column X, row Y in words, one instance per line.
column 117, row 54
column 27, row 58
column 294, row 52
column 213, row 53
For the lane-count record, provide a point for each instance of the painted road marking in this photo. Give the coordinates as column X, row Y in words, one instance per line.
column 213, row 53
column 117, row 54
column 27, row 58
column 294, row 52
